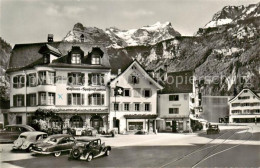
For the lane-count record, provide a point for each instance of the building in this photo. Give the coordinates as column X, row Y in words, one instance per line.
column 63, row 83
column 245, row 107
column 136, row 109
column 175, row 102
column 215, row 108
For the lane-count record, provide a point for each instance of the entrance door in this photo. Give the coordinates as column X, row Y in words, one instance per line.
column 174, row 126
column 97, row 122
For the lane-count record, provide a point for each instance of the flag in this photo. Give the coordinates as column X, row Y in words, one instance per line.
column 119, row 91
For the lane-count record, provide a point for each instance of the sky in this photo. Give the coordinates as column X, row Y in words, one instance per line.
column 29, row 21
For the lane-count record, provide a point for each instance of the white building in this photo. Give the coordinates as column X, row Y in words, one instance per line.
column 65, row 83
column 175, row 102
column 137, row 108
column 245, row 107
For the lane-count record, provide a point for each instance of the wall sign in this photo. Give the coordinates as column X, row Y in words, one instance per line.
column 85, row 89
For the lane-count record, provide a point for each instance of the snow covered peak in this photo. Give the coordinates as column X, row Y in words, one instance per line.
column 146, row 35
column 231, row 14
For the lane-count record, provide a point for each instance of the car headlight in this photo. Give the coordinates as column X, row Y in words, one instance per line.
column 44, row 149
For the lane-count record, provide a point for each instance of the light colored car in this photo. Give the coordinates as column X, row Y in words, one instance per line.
column 26, row 140
column 90, row 131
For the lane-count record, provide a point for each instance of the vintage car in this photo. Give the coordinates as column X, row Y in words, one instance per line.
column 26, row 140
column 54, row 144
column 90, row 131
column 213, row 129
column 12, row 132
column 87, row 149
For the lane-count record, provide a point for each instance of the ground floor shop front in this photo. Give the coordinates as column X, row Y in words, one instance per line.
column 62, row 120
column 177, row 124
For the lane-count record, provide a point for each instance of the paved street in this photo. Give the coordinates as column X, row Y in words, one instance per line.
column 235, row 146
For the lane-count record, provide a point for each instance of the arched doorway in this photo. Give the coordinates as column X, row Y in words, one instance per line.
column 96, row 122
column 56, row 121
column 76, row 121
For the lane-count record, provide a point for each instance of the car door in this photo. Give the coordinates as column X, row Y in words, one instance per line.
column 96, row 147
column 62, row 144
column 70, row 142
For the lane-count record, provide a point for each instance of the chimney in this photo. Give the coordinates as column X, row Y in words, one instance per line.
column 82, row 38
column 119, row 72
column 50, row 38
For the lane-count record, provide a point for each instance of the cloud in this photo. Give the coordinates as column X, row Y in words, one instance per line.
column 137, row 13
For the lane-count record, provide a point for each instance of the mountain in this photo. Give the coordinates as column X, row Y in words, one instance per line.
column 233, row 14
column 5, row 52
column 116, row 38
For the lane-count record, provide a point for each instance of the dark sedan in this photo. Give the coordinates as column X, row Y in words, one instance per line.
column 213, row 129
column 54, row 144
column 11, row 132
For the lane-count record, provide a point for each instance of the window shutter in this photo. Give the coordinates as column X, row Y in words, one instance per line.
column 69, row 78
column 89, row 79
column 23, row 80
column 27, row 80
column 130, row 92
column 143, row 92
column 137, row 80
column 15, row 100
column 102, row 79
column 22, row 100
column 28, row 100
column 102, row 99
column 151, row 93
column 121, row 107
column 90, row 99
column 54, row 98
column 69, row 98
column 54, row 78
column 142, row 107
column 111, row 106
column 112, row 92
column 82, row 99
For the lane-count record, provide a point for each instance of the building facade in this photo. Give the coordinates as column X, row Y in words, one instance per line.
column 245, row 107
column 175, row 102
column 65, row 83
column 136, row 109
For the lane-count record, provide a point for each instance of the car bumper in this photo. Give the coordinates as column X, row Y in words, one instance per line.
column 41, row 152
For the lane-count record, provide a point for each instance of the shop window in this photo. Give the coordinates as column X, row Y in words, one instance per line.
column 135, row 126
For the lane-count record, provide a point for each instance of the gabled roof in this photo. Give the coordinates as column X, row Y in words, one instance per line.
column 135, row 62
column 27, row 55
column 178, row 82
column 256, row 95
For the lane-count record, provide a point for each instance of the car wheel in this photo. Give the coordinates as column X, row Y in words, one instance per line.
column 90, row 157
column 57, row 154
column 29, row 149
column 107, row 152
column 75, row 153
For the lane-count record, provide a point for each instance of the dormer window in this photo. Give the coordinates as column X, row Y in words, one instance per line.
column 46, row 58
column 76, row 59
column 95, row 60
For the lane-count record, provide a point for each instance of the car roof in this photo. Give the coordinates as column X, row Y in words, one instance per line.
column 59, row 136
column 87, row 139
column 33, row 133
column 21, row 125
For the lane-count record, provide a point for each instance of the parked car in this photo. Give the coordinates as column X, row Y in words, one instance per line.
column 87, row 149
column 90, row 131
column 54, row 144
column 12, row 132
column 26, row 140
column 213, row 129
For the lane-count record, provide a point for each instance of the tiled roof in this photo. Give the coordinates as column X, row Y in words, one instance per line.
column 27, row 55
column 178, row 82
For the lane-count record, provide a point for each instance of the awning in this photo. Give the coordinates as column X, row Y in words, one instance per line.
column 141, row 116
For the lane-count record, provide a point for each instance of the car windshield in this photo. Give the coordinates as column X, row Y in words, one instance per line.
column 50, row 140
column 23, row 136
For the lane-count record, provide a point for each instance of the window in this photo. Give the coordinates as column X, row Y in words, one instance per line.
column 42, row 77
column 116, row 106
column 18, row 81
column 31, row 99
column 42, row 98
column 126, row 107
column 147, row 107
column 75, row 59
column 96, row 79
column 147, row 93
column 31, row 80
column 137, row 92
column 18, row 100
column 127, row 92
column 243, row 97
column 19, row 120
column 76, row 78
column 51, row 78
column 76, row 99
column 134, row 79
column 173, row 111
column 95, row 61
column 96, row 99
column 51, row 98
column 46, row 58
column 173, row 97
column 137, row 106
